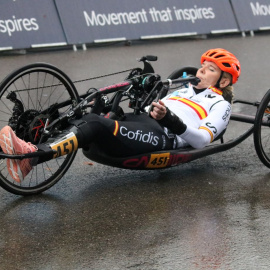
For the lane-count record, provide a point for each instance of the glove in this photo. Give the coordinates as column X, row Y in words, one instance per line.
column 173, row 122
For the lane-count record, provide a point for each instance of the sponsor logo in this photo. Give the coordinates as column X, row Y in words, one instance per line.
column 193, row 14
column 260, row 10
column 227, row 114
column 18, row 25
column 152, row 15
column 115, row 18
column 210, row 96
column 212, row 127
column 138, row 135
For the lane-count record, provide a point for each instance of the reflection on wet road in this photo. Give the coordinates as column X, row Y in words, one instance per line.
column 212, row 213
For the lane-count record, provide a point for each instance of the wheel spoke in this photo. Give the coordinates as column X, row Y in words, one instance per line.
column 37, row 87
column 262, row 133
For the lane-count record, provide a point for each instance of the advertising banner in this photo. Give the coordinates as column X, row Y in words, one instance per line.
column 252, row 15
column 29, row 23
column 87, row 21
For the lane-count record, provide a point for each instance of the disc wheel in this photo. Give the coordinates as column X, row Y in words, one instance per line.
column 262, row 130
column 29, row 97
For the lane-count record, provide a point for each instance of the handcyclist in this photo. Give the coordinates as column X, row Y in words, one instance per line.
column 192, row 116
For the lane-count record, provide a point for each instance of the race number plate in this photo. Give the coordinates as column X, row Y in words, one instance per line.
column 65, row 145
column 158, row 160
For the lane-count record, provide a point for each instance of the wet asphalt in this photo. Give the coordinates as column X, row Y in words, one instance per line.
column 212, row 213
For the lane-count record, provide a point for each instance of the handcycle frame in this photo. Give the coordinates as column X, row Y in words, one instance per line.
column 148, row 86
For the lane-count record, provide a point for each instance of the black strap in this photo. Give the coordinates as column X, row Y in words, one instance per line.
column 218, row 82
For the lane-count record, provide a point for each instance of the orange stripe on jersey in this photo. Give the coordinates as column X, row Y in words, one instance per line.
column 201, row 112
column 116, row 128
column 214, row 89
column 209, row 131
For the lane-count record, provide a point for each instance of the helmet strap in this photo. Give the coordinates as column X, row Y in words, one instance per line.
column 220, row 77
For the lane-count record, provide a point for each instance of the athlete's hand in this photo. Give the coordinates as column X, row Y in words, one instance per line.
column 159, row 110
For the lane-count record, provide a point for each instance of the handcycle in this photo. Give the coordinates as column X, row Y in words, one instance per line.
column 38, row 100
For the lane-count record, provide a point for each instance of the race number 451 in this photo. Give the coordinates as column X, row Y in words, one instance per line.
column 65, row 145
column 158, row 160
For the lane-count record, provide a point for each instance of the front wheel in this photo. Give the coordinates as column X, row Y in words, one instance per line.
column 262, row 130
column 29, row 97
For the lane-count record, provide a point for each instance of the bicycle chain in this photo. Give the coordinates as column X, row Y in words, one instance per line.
column 78, row 81
column 102, row 76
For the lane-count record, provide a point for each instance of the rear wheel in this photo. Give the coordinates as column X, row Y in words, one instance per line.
column 178, row 73
column 29, row 97
column 181, row 73
column 262, row 130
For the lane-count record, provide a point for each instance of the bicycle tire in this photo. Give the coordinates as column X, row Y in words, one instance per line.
column 37, row 87
column 262, row 133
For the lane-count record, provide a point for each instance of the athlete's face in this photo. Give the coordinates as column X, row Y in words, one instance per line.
column 209, row 74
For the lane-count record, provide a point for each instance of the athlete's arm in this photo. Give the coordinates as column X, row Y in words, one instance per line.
column 216, row 121
column 167, row 118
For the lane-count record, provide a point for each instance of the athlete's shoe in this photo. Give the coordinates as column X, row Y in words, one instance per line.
column 13, row 145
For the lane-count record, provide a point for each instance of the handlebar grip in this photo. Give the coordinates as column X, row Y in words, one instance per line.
column 192, row 80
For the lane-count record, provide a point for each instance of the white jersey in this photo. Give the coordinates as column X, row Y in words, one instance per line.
column 206, row 115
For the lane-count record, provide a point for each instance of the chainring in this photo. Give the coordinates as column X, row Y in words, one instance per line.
column 31, row 125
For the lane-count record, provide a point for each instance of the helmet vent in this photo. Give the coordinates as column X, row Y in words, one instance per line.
column 219, row 56
column 226, row 64
column 212, row 54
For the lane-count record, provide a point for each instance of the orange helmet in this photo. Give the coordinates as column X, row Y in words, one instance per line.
column 225, row 60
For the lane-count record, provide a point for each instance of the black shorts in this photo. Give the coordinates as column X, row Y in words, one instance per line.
column 136, row 134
